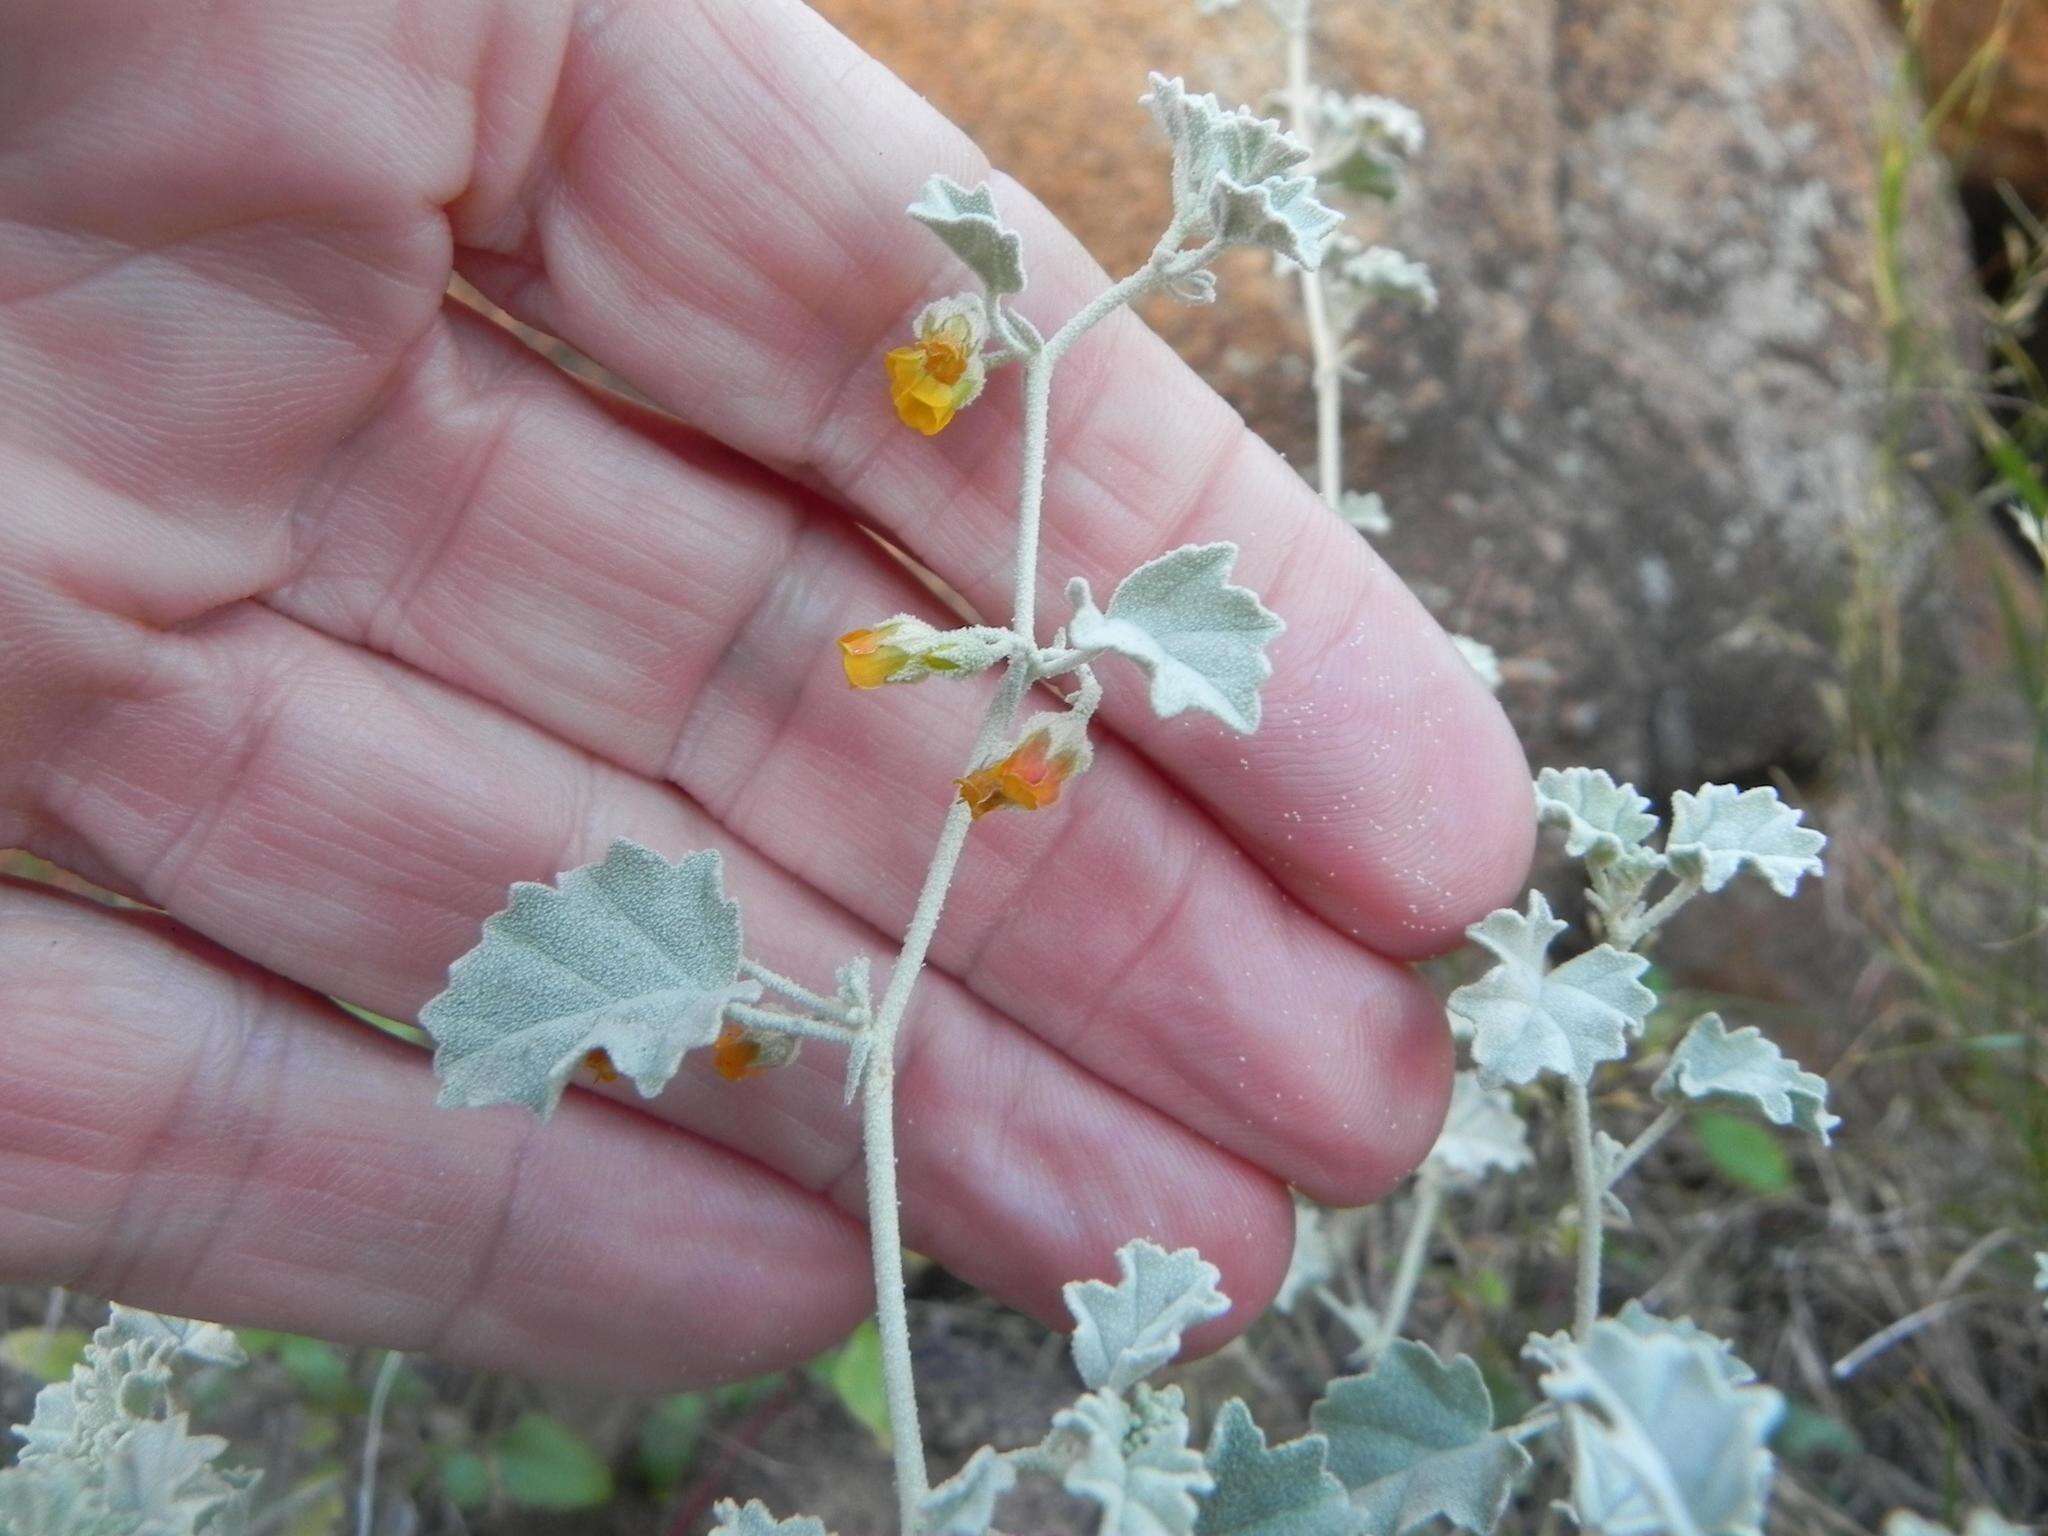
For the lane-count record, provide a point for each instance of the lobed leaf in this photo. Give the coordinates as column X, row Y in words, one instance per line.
column 1312, row 1262
column 1720, row 832
column 965, row 1503
column 755, row 1519
column 1659, row 1431
column 1714, row 1062
column 1281, row 1491
column 632, row 955
column 1524, row 1017
column 1125, row 1332
column 1132, row 1458
column 1413, row 1440
column 1200, row 640
column 973, row 231
column 1639, row 1319
column 1482, row 1134
column 1232, row 176
column 1601, row 820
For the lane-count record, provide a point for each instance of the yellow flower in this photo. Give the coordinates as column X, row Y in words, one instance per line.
column 1029, row 778
column 942, row 370
column 869, row 660
column 599, row 1062
column 736, row 1056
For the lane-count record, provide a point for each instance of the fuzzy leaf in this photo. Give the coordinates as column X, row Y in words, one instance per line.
column 1231, row 176
column 1200, row 640
column 1125, row 1332
column 1978, row 1522
column 1133, row 1459
column 973, row 231
column 1482, row 658
column 1284, row 1491
column 1601, row 819
column 1312, row 1262
column 1481, row 1134
column 161, row 1480
column 1638, row 1318
column 965, row 1503
column 754, row 1519
column 1714, row 1062
column 1525, row 1017
column 632, row 955
column 192, row 1342
column 1413, row 1440
column 1366, row 511
column 56, row 1499
column 1656, row 1408
column 1719, row 832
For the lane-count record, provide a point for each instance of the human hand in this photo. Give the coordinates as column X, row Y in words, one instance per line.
column 327, row 610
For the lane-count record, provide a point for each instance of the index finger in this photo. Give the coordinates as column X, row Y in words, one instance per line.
column 716, row 214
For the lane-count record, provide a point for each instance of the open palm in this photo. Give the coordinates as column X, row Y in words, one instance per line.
column 327, row 610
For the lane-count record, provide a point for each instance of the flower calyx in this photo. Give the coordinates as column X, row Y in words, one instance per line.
column 904, row 649
column 942, row 370
column 1052, row 748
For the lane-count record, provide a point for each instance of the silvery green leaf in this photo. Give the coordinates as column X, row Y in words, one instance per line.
column 1413, row 1440
column 1715, row 1062
column 1656, row 1423
column 973, row 231
column 56, row 1499
column 1481, row 658
column 1364, row 142
column 1525, row 1017
column 1378, row 272
column 965, row 1503
column 1978, row 1522
column 1282, row 1491
column 1637, row 1318
column 1125, row 1332
column 1365, row 511
column 161, row 1480
column 1231, row 176
column 196, row 1342
column 1132, row 1458
column 1601, row 820
column 1482, row 1133
column 1199, row 639
column 632, row 955
column 1721, row 831
column 1312, row 1263
column 755, row 1519
column 1280, row 213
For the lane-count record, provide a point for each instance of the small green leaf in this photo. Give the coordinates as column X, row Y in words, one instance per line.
column 965, row 1503
column 45, row 1356
column 854, row 1373
column 544, row 1464
column 1806, row 1434
column 1282, row 1491
column 669, row 1437
column 319, row 1372
column 1714, row 1062
column 1719, row 832
column 1743, row 1152
column 755, row 1519
column 1200, row 640
column 466, row 1479
column 1125, row 1332
column 1601, row 820
column 1132, row 1458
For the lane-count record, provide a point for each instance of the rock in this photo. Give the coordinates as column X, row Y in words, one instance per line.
column 2000, row 133
column 1637, row 444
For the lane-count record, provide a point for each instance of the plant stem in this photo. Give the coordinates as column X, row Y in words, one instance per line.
column 1637, row 929
column 1586, row 1297
column 373, row 1441
column 1328, row 366
column 815, row 1002
column 1636, row 1150
column 1429, row 1194
column 789, row 1024
column 878, row 1098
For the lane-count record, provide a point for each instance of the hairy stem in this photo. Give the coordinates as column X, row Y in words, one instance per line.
column 878, row 1102
column 789, row 1024
column 373, row 1441
column 1636, row 929
column 1636, row 1150
column 1429, row 1194
column 1328, row 366
column 811, row 1002
column 1586, row 1296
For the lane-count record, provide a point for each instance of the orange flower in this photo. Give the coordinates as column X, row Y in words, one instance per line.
column 1029, row 778
column 869, row 662
column 941, row 371
column 736, row 1056
column 599, row 1062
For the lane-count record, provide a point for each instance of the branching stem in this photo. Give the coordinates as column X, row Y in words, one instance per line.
column 811, row 1002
